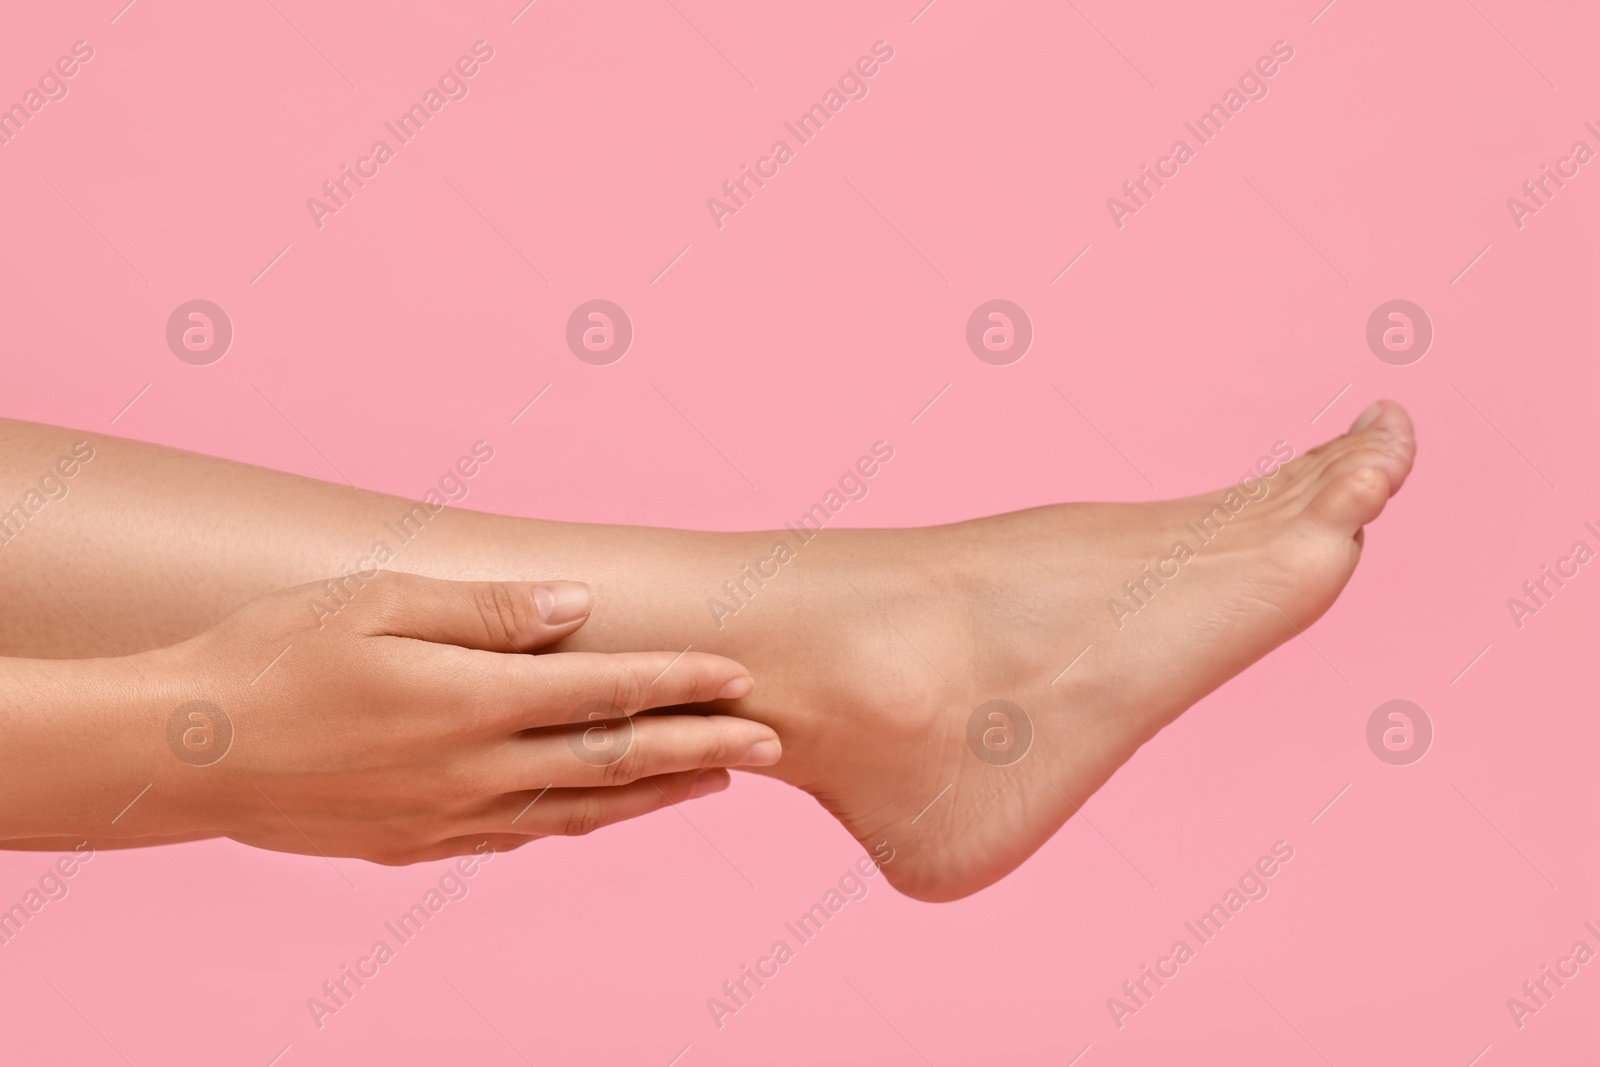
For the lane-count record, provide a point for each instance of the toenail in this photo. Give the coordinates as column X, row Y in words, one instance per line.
column 1367, row 418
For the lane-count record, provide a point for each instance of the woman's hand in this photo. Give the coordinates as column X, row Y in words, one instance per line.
column 412, row 724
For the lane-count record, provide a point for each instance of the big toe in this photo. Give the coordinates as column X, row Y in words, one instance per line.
column 1383, row 437
column 1380, row 438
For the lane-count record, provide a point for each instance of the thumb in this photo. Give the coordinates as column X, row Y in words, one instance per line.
column 491, row 616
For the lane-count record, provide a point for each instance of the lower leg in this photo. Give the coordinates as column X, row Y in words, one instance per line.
column 872, row 650
column 146, row 546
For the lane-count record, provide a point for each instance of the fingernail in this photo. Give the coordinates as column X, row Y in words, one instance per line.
column 562, row 602
column 737, row 688
column 707, row 784
column 762, row 754
column 1367, row 418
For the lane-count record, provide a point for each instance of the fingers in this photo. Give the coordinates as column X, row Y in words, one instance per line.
column 491, row 616
column 589, row 687
column 575, row 812
column 619, row 751
column 518, row 818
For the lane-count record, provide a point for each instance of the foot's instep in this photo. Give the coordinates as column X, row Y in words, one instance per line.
column 1155, row 605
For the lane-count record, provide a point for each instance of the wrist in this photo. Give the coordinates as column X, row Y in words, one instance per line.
column 86, row 752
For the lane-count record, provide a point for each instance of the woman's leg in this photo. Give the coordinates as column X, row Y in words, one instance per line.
column 876, row 654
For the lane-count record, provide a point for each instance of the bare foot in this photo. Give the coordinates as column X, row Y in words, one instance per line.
column 1154, row 605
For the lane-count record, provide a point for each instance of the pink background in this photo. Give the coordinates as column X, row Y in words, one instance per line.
column 1227, row 314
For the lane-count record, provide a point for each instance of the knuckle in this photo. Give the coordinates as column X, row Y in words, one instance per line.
column 719, row 753
column 508, row 612
column 618, row 772
column 684, row 680
column 687, row 681
column 627, row 761
column 584, row 817
column 630, row 688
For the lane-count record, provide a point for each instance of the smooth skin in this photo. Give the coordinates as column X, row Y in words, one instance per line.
column 870, row 652
column 410, row 725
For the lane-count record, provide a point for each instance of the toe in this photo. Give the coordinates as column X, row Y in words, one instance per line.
column 1350, row 500
column 1384, row 416
column 1380, row 437
column 1366, row 453
column 1386, row 427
